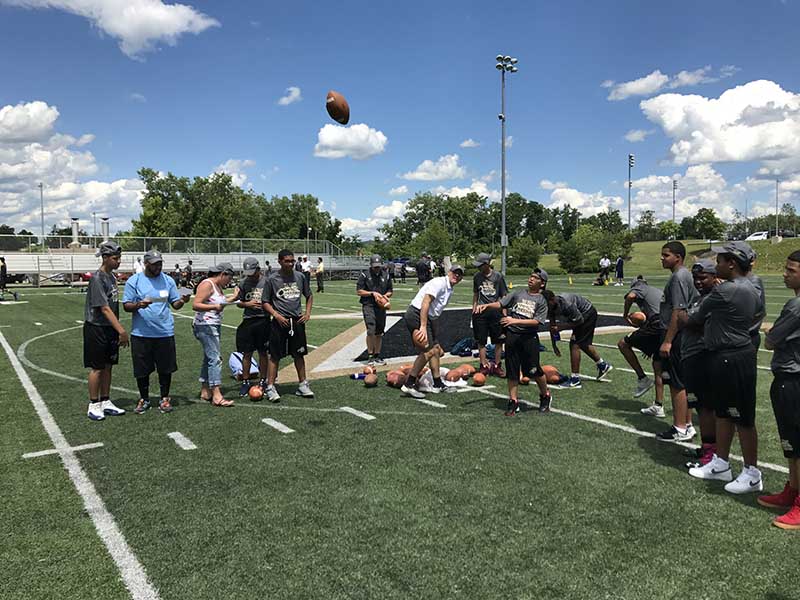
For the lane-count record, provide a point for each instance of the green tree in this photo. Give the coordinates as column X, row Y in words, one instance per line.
column 708, row 225
column 434, row 239
column 524, row 252
column 570, row 256
column 668, row 230
column 646, row 229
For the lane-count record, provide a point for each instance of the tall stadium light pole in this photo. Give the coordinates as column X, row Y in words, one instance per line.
column 41, row 199
column 631, row 161
column 776, row 208
column 674, row 189
column 503, row 64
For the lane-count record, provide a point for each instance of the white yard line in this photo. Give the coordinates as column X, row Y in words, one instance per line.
column 277, row 425
column 430, row 402
column 357, row 413
column 183, row 442
column 131, row 570
column 56, row 451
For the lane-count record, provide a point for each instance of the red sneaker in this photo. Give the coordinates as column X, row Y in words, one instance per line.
column 498, row 370
column 783, row 500
column 791, row 520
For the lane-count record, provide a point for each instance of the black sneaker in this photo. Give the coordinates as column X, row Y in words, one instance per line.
column 244, row 389
column 378, row 360
column 544, row 403
column 673, row 435
column 512, row 408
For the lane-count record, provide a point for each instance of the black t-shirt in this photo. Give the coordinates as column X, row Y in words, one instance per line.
column 490, row 288
column 370, row 282
column 3, row 272
column 423, row 270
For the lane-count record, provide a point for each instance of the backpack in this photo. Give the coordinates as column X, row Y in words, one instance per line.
column 463, row 347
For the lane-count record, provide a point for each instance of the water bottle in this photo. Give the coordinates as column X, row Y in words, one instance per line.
column 358, row 375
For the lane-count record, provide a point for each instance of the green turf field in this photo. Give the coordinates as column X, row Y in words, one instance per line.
column 420, row 502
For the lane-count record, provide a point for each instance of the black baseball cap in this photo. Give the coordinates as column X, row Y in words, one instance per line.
column 109, row 249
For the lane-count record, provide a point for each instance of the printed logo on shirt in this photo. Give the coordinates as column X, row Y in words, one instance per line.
column 288, row 291
column 487, row 289
column 254, row 294
column 525, row 308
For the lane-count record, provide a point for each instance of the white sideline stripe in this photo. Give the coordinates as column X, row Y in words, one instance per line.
column 131, row 570
column 358, row 413
column 634, row 431
column 473, row 388
column 12, row 302
column 430, row 402
column 183, row 442
column 81, row 322
column 37, row 323
column 277, row 425
column 56, row 451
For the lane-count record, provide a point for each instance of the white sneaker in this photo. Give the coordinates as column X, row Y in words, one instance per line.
column 654, row 410
column 272, row 394
column 412, row 392
column 748, row 481
column 111, row 410
column 642, row 386
column 304, row 391
column 95, row 412
column 690, row 432
column 716, row 469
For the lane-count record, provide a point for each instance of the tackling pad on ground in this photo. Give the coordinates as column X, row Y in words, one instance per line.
column 454, row 325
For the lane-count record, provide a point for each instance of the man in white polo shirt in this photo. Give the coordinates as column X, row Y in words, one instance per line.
column 422, row 321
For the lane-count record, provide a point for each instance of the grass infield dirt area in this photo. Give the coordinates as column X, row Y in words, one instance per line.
column 419, row 502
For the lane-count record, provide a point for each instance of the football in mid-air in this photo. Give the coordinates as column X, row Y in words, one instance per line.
column 337, row 107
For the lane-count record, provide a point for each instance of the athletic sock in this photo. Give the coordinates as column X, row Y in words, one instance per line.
column 143, row 383
column 680, row 429
column 411, row 381
column 437, row 382
column 105, row 398
column 657, row 403
column 575, row 375
column 599, row 361
column 93, row 400
column 164, row 381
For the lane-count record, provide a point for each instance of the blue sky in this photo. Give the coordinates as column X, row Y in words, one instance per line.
column 706, row 92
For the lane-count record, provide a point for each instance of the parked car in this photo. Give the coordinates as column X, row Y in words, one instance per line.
column 757, row 236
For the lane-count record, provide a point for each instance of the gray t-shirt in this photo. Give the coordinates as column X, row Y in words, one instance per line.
column 691, row 338
column 785, row 337
column 573, row 308
column 726, row 314
column 283, row 292
column 252, row 289
column 490, row 288
column 102, row 291
column 646, row 297
column 756, row 282
column 522, row 304
column 678, row 293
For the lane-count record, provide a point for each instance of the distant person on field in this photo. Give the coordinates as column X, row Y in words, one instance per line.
column 268, row 268
column 573, row 311
column 209, row 302
column 148, row 296
column 176, row 274
column 784, row 340
column 619, row 270
column 103, row 335
column 306, row 268
column 4, row 280
column 252, row 334
column 374, row 286
column 319, row 273
column 647, row 339
column 402, row 269
column 422, row 321
column 281, row 299
column 488, row 288
column 679, row 294
column 189, row 275
column 423, row 270
column 138, row 267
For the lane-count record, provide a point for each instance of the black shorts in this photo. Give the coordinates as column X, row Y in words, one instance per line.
column 283, row 343
column 697, row 378
column 647, row 338
column 153, row 354
column 252, row 335
column 583, row 333
column 522, row 355
column 100, row 346
column 487, row 326
column 785, row 395
column 412, row 323
column 374, row 319
column 733, row 384
column 671, row 368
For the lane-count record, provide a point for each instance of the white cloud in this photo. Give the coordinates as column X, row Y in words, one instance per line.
column 656, row 81
column 137, row 97
column 638, row 135
column 27, row 122
column 398, row 191
column 446, row 167
column 509, row 141
column 31, row 152
column 139, row 25
column 359, row 142
column 236, row 167
column 469, row 143
column 292, row 96
column 368, row 228
column 546, row 184
column 478, row 186
column 758, row 121
column 587, row 204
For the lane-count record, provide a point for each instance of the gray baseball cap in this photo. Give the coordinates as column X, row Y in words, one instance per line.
column 457, row 269
column 484, row 258
column 741, row 251
column 542, row 274
column 153, row 256
column 375, row 260
column 250, row 265
column 223, row 267
column 108, row 249
column 705, row 265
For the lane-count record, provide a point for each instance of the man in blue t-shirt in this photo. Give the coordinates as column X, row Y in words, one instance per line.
column 148, row 295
